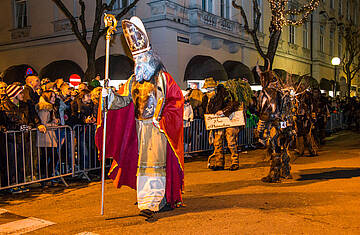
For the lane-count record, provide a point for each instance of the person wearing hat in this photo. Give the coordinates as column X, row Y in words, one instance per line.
column 218, row 100
column 149, row 118
column 95, row 82
column 18, row 118
column 15, row 109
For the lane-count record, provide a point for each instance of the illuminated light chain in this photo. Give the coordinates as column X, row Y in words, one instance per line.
column 280, row 15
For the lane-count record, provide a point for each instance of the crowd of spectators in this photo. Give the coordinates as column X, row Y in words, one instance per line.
column 350, row 107
column 43, row 107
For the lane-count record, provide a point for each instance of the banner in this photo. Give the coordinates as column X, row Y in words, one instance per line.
column 213, row 121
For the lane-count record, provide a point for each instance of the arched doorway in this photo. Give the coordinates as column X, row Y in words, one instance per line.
column 121, row 67
column 17, row 73
column 201, row 67
column 61, row 69
column 236, row 69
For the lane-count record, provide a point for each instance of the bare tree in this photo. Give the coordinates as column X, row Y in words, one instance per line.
column 351, row 57
column 97, row 32
column 281, row 16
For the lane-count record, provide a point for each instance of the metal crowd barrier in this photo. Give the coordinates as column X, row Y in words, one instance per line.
column 30, row 156
column 196, row 137
column 86, row 152
column 335, row 122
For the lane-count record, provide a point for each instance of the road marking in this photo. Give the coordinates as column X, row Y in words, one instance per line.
column 24, row 226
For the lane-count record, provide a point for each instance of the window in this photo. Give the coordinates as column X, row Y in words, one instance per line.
column 306, row 35
column 56, row 12
column 207, row 5
column 331, row 49
column 332, row 3
column 119, row 4
column 322, row 32
column 225, row 8
column 340, row 8
column 292, row 31
column 254, row 15
column 75, row 2
column 21, row 18
column 340, row 45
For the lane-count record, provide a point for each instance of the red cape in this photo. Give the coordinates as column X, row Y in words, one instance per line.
column 122, row 141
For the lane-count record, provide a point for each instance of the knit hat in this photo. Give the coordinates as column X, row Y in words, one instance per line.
column 13, row 90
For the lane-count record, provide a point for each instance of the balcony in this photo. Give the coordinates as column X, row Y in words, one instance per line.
column 20, row 33
column 196, row 24
column 161, row 10
column 63, row 25
column 199, row 18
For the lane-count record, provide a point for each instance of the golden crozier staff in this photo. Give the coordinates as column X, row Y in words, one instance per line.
column 110, row 22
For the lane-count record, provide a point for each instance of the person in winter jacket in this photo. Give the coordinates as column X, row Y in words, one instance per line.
column 47, row 141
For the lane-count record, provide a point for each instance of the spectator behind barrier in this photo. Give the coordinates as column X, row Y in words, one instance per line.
column 188, row 117
column 47, row 141
column 31, row 97
column 95, row 98
column 17, row 112
column 82, row 86
column 81, row 114
column 82, row 109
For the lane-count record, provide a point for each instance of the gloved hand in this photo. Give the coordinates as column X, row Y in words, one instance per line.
column 109, row 94
column 105, row 92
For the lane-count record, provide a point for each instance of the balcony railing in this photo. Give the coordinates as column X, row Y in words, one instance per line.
column 205, row 19
column 63, row 25
column 20, row 33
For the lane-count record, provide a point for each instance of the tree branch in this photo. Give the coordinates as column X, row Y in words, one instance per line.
column 97, row 23
column 253, row 31
column 82, row 18
column 258, row 16
column 109, row 6
column 73, row 22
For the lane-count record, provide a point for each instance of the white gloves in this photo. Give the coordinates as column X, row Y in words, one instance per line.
column 105, row 92
column 109, row 94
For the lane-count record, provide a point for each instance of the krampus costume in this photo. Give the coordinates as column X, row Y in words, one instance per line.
column 276, row 124
column 145, row 134
column 304, row 124
column 220, row 101
column 320, row 115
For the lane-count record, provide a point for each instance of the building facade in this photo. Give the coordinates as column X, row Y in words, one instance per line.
column 35, row 32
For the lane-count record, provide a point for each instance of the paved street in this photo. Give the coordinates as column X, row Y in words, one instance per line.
column 323, row 198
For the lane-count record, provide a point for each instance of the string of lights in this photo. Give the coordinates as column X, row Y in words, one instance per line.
column 281, row 14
